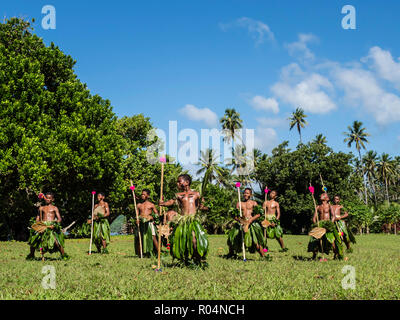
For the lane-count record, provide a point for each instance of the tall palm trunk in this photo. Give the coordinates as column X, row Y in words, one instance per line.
column 365, row 183
column 387, row 191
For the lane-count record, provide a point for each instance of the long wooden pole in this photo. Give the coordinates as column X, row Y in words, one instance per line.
column 240, row 210
column 161, row 213
column 265, row 213
column 91, row 229
column 137, row 220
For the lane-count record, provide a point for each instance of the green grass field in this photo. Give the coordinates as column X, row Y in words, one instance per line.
column 121, row 275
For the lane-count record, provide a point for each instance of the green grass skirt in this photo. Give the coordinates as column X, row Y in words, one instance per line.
column 253, row 237
column 47, row 239
column 101, row 231
column 274, row 232
column 182, row 239
column 331, row 236
column 348, row 236
column 148, row 247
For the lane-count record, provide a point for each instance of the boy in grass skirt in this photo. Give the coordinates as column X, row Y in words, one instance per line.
column 46, row 234
column 340, row 224
column 274, row 229
column 331, row 240
column 252, row 231
column 189, row 242
column 101, row 226
column 146, row 225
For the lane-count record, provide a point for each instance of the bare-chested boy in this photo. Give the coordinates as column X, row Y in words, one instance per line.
column 253, row 236
column 101, row 226
column 348, row 236
column 330, row 238
column 274, row 230
column 47, row 227
column 187, row 225
column 147, row 228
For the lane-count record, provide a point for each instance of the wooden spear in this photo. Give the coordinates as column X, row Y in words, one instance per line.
column 137, row 219
column 240, row 210
column 91, row 229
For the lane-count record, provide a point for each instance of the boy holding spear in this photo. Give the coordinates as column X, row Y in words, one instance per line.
column 146, row 225
column 46, row 234
column 189, row 242
column 247, row 233
column 101, row 226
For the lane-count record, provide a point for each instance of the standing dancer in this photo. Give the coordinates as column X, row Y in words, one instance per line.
column 46, row 234
column 331, row 239
column 146, row 224
column 189, row 242
column 348, row 236
column 101, row 226
column 273, row 228
column 252, row 235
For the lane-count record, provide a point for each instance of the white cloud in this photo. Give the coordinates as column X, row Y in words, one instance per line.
column 362, row 88
column 257, row 29
column 300, row 49
column 384, row 65
column 265, row 139
column 308, row 93
column 272, row 122
column 266, row 104
column 206, row 115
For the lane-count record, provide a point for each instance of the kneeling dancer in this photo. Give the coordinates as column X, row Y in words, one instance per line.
column 46, row 234
column 189, row 242
column 252, row 231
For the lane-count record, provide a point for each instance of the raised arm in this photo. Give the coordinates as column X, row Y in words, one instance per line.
column 278, row 211
column 107, row 213
column 315, row 215
column 58, row 216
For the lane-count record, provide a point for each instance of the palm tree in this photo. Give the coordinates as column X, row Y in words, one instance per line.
column 298, row 119
column 231, row 122
column 357, row 135
column 386, row 169
column 209, row 166
column 370, row 165
column 320, row 139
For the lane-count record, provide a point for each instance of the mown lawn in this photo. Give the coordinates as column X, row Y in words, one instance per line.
column 121, row 275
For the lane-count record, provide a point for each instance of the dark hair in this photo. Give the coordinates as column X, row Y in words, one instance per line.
column 147, row 191
column 186, row 177
column 336, row 195
column 50, row 194
column 102, row 194
column 274, row 191
column 251, row 191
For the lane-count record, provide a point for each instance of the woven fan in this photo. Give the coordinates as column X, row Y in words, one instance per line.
column 164, row 230
column 265, row 223
column 245, row 223
column 39, row 227
column 317, row 232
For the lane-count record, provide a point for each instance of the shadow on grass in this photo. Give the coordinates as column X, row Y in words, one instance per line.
column 302, row 258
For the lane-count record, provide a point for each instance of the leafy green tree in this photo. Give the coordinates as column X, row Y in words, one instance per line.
column 291, row 172
column 385, row 169
column 55, row 135
column 298, row 120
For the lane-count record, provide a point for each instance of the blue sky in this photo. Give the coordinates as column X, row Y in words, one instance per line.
column 264, row 58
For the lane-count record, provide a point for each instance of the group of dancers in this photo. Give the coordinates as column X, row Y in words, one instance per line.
column 183, row 234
